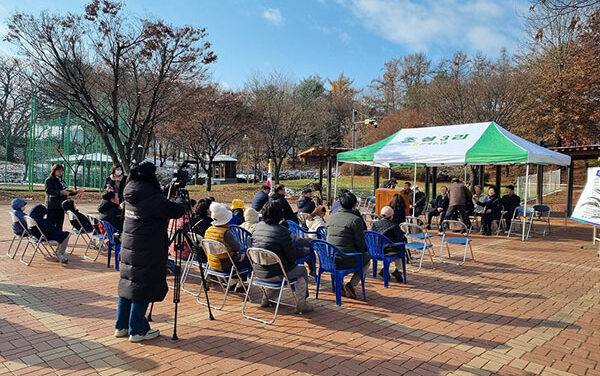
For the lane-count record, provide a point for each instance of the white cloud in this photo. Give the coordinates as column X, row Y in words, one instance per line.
column 471, row 25
column 340, row 34
column 273, row 15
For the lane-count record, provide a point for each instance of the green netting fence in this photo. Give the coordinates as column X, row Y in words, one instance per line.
column 29, row 152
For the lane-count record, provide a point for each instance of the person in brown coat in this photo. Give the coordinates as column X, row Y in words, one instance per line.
column 458, row 196
column 407, row 196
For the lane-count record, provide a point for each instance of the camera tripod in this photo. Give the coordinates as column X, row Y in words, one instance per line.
column 178, row 237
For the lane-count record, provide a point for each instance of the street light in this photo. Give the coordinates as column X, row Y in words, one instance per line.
column 366, row 121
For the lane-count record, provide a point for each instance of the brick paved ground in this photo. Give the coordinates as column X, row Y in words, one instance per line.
column 521, row 308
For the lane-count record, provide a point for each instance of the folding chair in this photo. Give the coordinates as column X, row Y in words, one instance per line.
column 326, row 253
column 370, row 203
column 96, row 236
column 462, row 238
column 414, row 233
column 522, row 218
column 375, row 245
column 261, row 257
column 191, row 262
column 542, row 215
column 41, row 240
column 80, row 232
column 369, row 218
column 24, row 235
column 302, row 217
column 215, row 248
column 501, row 223
column 418, row 240
column 109, row 232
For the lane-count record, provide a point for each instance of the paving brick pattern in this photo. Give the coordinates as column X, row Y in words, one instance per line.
column 521, row 308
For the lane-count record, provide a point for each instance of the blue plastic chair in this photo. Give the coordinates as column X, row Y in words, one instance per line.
column 301, row 233
column 326, row 253
column 243, row 236
column 376, row 243
column 109, row 231
column 321, row 233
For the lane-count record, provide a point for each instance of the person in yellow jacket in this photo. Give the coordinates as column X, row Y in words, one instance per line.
column 219, row 231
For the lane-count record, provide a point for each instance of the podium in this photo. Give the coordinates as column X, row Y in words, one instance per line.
column 383, row 196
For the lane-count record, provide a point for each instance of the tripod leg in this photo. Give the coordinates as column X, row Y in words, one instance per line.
column 149, row 318
column 210, row 315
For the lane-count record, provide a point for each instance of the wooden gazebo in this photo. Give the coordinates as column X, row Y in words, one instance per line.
column 322, row 155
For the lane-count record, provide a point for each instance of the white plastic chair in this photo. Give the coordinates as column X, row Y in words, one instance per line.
column 215, row 248
column 24, row 235
column 262, row 257
column 47, row 245
column 418, row 240
column 462, row 238
column 522, row 218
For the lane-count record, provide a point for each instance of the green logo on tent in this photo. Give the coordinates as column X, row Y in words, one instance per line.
column 434, row 140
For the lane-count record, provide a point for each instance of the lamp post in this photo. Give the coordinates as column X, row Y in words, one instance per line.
column 366, row 121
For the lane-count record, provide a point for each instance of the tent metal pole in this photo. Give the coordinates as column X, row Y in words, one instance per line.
column 525, row 205
column 336, row 179
column 414, row 191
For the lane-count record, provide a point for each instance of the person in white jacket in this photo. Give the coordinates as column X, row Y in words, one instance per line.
column 316, row 219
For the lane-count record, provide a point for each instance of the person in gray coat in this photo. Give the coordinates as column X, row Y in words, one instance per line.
column 345, row 230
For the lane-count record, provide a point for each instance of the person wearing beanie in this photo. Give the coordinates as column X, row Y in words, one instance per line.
column 219, row 231
column 18, row 209
column 143, row 257
column 237, row 208
column 56, row 193
column 251, row 216
column 386, row 226
column 305, row 204
column 69, row 205
column 110, row 211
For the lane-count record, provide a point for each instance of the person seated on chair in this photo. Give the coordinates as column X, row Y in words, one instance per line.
column 492, row 211
column 510, row 201
column 279, row 196
column 237, row 208
column 397, row 203
column 219, row 231
column 439, row 207
column 385, row 226
column 69, row 205
column 479, row 200
column 345, row 230
column 420, row 201
column 38, row 213
column 316, row 219
column 305, row 204
column 201, row 219
column 251, row 216
column 261, row 197
column 110, row 211
column 271, row 235
column 18, row 209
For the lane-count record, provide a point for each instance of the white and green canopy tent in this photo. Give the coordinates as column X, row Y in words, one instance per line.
column 454, row 145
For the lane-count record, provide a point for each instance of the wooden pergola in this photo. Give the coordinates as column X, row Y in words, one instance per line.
column 322, row 155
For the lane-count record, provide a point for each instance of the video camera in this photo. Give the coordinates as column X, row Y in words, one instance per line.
column 180, row 178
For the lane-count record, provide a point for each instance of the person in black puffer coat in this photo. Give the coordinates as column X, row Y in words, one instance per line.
column 271, row 235
column 143, row 256
column 56, row 193
column 110, row 211
column 38, row 212
column 305, row 204
column 385, row 226
column 279, row 196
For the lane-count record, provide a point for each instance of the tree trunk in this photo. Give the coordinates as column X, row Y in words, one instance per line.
column 278, row 162
column 209, row 176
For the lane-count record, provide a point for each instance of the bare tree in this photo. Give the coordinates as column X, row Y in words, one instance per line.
column 120, row 75
column 15, row 95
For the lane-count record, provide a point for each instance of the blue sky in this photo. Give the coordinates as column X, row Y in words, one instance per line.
column 326, row 37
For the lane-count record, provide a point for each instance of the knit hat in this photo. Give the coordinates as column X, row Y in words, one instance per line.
column 251, row 215
column 18, row 204
column 237, row 204
column 220, row 214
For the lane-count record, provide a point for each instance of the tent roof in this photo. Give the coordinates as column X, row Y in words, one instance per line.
column 451, row 145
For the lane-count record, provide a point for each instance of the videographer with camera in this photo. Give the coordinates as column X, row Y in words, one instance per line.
column 143, row 256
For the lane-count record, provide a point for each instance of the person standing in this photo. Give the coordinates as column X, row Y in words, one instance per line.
column 116, row 181
column 420, row 201
column 56, row 194
column 143, row 257
column 407, row 195
column 458, row 197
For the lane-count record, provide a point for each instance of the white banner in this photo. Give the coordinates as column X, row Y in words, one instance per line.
column 588, row 207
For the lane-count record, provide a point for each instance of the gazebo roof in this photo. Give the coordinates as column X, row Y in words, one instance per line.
column 318, row 153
